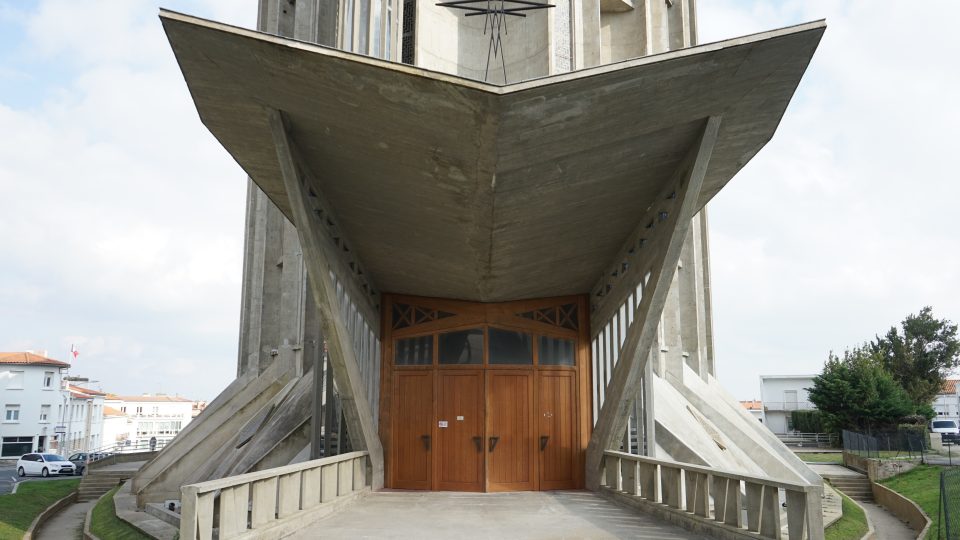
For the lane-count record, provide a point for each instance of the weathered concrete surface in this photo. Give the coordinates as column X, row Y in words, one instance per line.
column 571, row 156
column 465, row 516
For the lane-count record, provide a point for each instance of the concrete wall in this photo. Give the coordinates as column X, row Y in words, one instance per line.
column 450, row 42
column 905, row 509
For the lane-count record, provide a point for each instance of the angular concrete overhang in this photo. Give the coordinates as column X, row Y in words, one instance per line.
column 455, row 188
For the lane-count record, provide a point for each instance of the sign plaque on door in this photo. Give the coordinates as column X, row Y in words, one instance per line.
column 442, row 423
column 459, row 419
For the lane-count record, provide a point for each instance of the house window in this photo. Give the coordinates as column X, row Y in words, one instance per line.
column 16, row 380
column 44, row 413
column 48, row 379
column 123, row 410
column 12, row 413
column 139, row 410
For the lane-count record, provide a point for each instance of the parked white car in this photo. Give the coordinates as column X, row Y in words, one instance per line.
column 948, row 430
column 44, row 465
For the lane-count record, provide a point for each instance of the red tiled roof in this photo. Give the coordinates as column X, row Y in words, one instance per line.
column 151, row 399
column 110, row 411
column 87, row 390
column 29, row 359
column 752, row 405
column 950, row 386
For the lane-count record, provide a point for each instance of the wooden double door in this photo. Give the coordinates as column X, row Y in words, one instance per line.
column 508, row 429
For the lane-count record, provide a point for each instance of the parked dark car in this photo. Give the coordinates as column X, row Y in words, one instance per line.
column 79, row 461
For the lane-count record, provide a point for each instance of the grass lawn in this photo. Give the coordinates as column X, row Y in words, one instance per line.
column 821, row 457
column 19, row 509
column 922, row 486
column 105, row 523
column 852, row 526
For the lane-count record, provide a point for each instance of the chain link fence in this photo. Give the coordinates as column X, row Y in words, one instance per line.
column 950, row 504
column 892, row 444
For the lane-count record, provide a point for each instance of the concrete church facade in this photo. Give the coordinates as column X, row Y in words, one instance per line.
column 484, row 286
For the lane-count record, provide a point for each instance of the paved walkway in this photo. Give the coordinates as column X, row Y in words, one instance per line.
column 469, row 516
column 67, row 524
column 885, row 525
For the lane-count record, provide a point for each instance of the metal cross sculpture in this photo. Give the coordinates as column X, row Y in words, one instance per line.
column 496, row 12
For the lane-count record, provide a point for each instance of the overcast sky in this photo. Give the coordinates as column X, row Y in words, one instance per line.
column 121, row 217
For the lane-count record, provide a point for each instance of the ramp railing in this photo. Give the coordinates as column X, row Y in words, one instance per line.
column 715, row 497
column 288, row 497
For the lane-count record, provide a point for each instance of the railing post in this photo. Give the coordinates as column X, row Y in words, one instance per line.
column 612, row 469
column 753, row 505
column 188, row 513
column 628, row 475
column 233, row 510
column 312, row 487
column 796, row 514
column 814, row 511
column 697, row 493
column 670, row 486
column 330, row 483
column 289, row 494
column 648, row 482
column 359, row 473
column 770, row 513
column 264, row 503
column 345, row 475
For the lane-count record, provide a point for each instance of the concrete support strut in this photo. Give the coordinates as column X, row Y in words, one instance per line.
column 624, row 384
column 319, row 258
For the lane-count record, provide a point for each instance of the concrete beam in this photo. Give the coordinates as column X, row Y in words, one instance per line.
column 624, row 384
column 320, row 258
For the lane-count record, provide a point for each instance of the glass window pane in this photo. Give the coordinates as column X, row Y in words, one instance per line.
column 556, row 352
column 416, row 351
column 464, row 347
column 508, row 347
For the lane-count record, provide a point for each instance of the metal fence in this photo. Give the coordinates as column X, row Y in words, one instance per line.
column 892, row 444
column 950, row 504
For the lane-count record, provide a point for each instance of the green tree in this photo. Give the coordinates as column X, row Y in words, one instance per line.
column 920, row 355
column 855, row 392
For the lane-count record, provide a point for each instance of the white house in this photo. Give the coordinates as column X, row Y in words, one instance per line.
column 82, row 420
column 118, row 428
column 755, row 408
column 947, row 402
column 32, row 401
column 156, row 415
column 782, row 394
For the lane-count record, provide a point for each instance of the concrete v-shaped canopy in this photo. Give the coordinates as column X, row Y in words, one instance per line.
column 455, row 188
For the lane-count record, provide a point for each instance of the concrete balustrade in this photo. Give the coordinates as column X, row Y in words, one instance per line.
column 271, row 502
column 725, row 504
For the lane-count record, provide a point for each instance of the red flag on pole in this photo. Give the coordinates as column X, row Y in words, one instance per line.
column 74, row 351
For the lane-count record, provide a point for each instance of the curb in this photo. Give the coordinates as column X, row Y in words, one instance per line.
column 87, row 533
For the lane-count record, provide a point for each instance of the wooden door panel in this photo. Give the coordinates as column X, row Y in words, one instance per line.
column 557, row 418
column 412, row 448
column 511, row 462
column 459, row 464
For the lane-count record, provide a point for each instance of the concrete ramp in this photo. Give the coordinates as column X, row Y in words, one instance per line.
column 710, row 423
column 467, row 516
column 196, row 452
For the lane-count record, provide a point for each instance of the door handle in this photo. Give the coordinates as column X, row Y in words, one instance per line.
column 493, row 443
column 479, row 442
column 426, row 442
column 543, row 441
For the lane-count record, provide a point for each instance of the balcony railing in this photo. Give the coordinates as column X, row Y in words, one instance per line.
column 716, row 497
column 788, row 406
column 250, row 504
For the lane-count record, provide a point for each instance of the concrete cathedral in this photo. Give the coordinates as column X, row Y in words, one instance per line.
column 486, row 285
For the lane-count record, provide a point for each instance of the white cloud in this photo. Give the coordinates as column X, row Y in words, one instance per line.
column 845, row 222
column 122, row 217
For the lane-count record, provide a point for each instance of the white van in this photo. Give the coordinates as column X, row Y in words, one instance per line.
column 947, row 429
